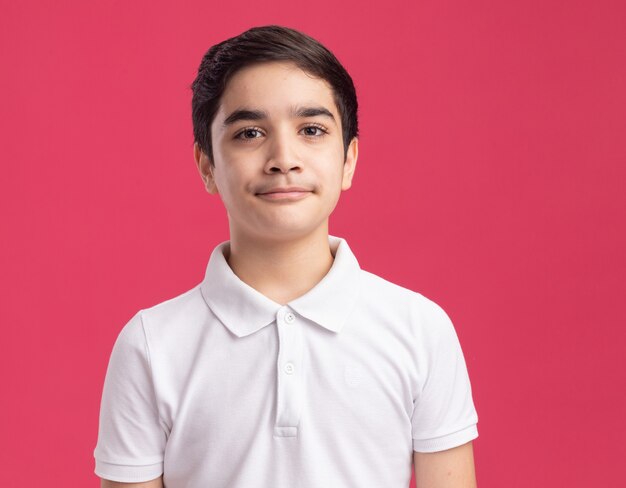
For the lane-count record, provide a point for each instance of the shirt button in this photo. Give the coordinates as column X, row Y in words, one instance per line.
column 289, row 368
column 289, row 317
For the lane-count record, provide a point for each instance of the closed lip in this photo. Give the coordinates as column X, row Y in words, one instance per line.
column 285, row 190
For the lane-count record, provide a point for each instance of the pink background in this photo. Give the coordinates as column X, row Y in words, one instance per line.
column 491, row 178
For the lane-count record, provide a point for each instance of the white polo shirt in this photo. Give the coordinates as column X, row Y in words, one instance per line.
column 222, row 387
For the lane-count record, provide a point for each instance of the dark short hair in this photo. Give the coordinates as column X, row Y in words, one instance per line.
column 260, row 44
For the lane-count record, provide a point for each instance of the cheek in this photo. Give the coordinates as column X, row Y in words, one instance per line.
column 331, row 177
column 223, row 179
column 235, row 179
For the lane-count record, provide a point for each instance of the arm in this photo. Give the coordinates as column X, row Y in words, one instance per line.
column 156, row 483
column 131, row 436
column 452, row 468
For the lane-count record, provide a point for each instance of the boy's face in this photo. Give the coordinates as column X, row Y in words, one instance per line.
column 264, row 140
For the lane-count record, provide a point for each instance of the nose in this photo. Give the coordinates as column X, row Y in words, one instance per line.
column 282, row 156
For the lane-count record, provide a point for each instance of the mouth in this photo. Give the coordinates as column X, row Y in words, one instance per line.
column 284, row 195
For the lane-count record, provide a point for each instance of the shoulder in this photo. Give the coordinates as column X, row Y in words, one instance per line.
column 421, row 320
column 378, row 290
column 187, row 305
column 418, row 327
column 165, row 320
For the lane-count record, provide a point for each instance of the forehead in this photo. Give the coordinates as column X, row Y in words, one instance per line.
column 275, row 87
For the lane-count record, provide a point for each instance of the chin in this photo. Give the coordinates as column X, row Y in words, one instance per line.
column 282, row 232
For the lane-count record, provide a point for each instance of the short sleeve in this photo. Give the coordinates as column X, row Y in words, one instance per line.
column 131, row 440
column 444, row 415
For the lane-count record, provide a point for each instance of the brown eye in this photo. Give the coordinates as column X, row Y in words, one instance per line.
column 314, row 131
column 249, row 133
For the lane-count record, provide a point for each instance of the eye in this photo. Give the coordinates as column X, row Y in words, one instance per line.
column 248, row 133
column 315, row 130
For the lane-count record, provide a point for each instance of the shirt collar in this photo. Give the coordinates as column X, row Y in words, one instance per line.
column 244, row 310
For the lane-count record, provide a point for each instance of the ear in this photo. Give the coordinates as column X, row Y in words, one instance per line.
column 350, row 164
column 205, row 168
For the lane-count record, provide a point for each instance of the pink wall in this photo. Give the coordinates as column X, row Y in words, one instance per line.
column 491, row 178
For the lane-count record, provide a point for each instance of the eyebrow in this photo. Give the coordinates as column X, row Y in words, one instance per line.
column 249, row 114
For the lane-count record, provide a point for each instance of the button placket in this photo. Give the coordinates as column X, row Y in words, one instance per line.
column 289, row 375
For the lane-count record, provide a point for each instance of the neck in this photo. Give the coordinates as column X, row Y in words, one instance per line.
column 282, row 270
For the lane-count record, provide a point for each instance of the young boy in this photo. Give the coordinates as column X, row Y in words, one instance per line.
column 288, row 365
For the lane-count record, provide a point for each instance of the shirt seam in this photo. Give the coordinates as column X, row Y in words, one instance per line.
column 148, row 355
column 467, row 426
column 415, row 321
column 131, row 462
